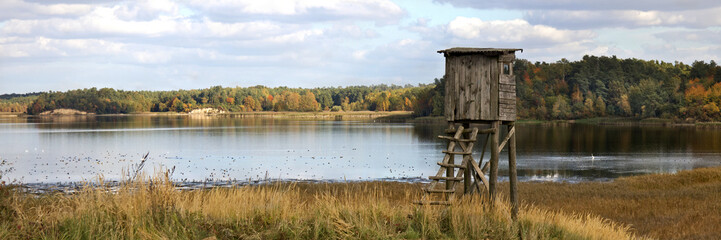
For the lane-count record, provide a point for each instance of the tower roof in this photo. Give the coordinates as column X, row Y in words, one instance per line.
column 485, row 51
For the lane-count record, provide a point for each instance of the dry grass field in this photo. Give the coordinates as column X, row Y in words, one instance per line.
column 364, row 210
column 663, row 206
column 685, row 205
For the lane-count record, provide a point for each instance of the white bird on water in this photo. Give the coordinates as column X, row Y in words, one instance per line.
column 592, row 157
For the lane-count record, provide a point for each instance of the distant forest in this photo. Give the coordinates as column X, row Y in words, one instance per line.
column 591, row 87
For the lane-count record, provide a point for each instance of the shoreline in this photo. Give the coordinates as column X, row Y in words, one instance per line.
column 326, row 115
column 392, row 116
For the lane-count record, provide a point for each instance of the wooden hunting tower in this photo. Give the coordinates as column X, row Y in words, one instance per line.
column 479, row 84
column 479, row 88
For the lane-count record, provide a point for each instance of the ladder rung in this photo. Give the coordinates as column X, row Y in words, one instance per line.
column 440, row 190
column 480, row 131
column 450, row 165
column 446, row 178
column 453, row 139
column 432, row 203
column 454, row 130
column 459, row 153
column 487, row 131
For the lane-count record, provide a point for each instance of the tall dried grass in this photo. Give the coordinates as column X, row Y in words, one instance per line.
column 684, row 205
column 155, row 209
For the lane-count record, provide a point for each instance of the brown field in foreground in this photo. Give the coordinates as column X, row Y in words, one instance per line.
column 664, row 206
column 362, row 210
column 684, row 205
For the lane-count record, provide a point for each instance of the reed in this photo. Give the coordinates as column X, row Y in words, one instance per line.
column 154, row 209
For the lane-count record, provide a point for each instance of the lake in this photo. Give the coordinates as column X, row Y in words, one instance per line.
column 76, row 149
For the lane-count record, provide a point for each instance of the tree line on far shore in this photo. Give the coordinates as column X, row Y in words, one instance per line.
column 609, row 86
column 240, row 99
column 590, row 87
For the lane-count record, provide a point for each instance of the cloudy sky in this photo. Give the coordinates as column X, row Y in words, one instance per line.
column 187, row 44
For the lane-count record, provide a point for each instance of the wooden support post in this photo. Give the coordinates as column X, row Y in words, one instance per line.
column 493, row 175
column 450, row 171
column 512, row 171
column 467, row 172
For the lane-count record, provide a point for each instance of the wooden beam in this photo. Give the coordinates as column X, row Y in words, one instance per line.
column 512, row 175
column 467, row 171
column 456, row 139
column 449, row 131
column 451, row 146
column 483, row 152
column 467, row 147
column 493, row 175
column 485, row 145
column 457, row 153
column 487, row 131
column 510, row 134
column 450, row 165
column 446, row 178
column 479, row 174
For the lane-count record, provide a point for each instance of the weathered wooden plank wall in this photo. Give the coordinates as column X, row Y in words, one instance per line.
column 507, row 90
column 485, row 93
column 450, row 102
column 478, row 89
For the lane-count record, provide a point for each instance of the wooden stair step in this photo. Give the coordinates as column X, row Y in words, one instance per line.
column 432, row 202
column 486, row 131
column 469, row 130
column 454, row 139
column 440, row 190
column 459, row 153
column 454, row 130
column 450, row 165
column 446, row 178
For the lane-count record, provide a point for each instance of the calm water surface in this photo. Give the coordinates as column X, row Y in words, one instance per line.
column 62, row 150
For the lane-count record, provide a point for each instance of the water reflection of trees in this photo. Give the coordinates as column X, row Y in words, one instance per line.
column 557, row 138
column 586, row 139
column 590, row 139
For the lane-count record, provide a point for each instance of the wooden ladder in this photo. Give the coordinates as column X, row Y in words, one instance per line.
column 448, row 167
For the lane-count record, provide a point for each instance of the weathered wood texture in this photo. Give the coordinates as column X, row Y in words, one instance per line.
column 467, row 178
column 477, row 86
column 512, row 175
column 448, row 166
column 493, row 175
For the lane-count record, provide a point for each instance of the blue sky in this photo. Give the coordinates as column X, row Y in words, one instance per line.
column 188, row 44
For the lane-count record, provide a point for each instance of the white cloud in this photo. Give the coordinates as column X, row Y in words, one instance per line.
column 168, row 44
column 103, row 22
column 41, row 47
column 515, row 31
column 359, row 54
column 588, row 14
column 346, row 30
column 301, row 10
column 296, row 37
column 146, row 9
column 680, row 53
column 18, row 9
column 643, row 5
column 585, row 19
column 540, row 42
column 686, row 36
